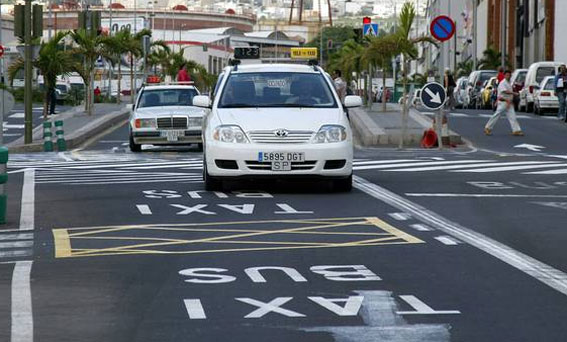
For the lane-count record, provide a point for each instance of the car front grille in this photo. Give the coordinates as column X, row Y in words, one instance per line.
column 175, row 122
column 269, row 137
column 295, row 166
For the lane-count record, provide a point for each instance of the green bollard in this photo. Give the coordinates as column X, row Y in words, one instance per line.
column 47, row 143
column 61, row 144
column 3, row 181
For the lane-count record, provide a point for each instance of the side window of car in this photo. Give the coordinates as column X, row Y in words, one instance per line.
column 219, row 81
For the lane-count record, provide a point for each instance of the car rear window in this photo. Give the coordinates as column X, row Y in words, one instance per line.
column 167, row 97
column 543, row 72
column 521, row 77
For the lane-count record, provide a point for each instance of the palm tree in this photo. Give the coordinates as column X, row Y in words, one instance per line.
column 133, row 46
column 379, row 53
column 52, row 61
column 464, row 68
column 116, row 47
column 89, row 46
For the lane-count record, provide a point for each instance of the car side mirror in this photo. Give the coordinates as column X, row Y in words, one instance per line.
column 352, row 101
column 202, row 101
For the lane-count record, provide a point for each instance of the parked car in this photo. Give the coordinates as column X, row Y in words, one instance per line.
column 459, row 94
column 416, row 99
column 545, row 99
column 517, row 80
column 488, row 92
column 474, row 86
column 536, row 73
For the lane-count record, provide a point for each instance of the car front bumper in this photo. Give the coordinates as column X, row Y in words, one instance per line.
column 333, row 160
column 156, row 137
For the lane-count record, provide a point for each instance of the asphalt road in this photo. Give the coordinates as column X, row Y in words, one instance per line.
column 14, row 121
column 452, row 245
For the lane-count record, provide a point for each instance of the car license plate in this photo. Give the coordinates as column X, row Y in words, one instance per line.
column 172, row 135
column 281, row 161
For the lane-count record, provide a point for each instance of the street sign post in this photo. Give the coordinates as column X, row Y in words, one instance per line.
column 433, row 97
column 442, row 28
column 370, row 29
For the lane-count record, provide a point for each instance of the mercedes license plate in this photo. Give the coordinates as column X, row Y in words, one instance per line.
column 281, row 161
column 172, row 135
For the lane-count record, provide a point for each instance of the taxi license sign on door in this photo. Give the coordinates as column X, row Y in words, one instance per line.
column 303, row 53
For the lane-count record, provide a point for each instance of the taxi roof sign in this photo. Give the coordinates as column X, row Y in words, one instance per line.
column 304, row 53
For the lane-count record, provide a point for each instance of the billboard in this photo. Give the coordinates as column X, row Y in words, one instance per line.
column 119, row 24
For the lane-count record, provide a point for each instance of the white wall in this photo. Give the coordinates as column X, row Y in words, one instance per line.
column 482, row 29
column 560, row 43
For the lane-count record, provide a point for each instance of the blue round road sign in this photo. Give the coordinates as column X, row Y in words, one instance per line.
column 442, row 28
column 433, row 96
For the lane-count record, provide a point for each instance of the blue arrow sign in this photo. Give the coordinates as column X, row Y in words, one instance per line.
column 370, row 29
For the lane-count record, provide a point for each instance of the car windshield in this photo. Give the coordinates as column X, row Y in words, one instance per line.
column 486, row 76
column 167, row 97
column 61, row 87
column 277, row 89
column 543, row 72
column 521, row 77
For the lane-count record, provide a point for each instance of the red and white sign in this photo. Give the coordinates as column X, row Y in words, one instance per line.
column 1, row 51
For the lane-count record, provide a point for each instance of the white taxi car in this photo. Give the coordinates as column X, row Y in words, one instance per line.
column 275, row 121
column 165, row 115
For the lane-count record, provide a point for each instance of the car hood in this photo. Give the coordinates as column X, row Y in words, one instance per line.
column 252, row 119
column 169, row 111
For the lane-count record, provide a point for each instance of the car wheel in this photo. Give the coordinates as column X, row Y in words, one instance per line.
column 133, row 146
column 343, row 185
column 211, row 183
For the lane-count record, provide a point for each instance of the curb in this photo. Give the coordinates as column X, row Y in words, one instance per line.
column 75, row 138
column 428, row 123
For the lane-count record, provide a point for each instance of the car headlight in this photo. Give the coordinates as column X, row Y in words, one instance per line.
column 230, row 134
column 195, row 122
column 330, row 134
column 145, row 123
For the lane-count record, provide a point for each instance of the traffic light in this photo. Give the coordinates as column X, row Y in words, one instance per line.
column 366, row 20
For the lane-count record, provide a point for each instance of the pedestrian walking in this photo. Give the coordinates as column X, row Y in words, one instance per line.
column 97, row 93
column 340, row 85
column 182, row 75
column 52, row 100
column 505, row 105
column 561, row 92
column 449, row 84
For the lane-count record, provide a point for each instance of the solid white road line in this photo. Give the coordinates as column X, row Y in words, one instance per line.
column 20, row 236
column 549, row 172
column 479, row 165
column 28, row 200
column 419, row 164
column 546, row 274
column 482, row 195
column 513, row 168
column 447, row 240
column 421, row 308
column 16, row 244
column 16, row 253
column 22, row 319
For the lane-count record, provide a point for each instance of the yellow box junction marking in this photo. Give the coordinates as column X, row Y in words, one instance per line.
column 303, row 53
column 216, row 237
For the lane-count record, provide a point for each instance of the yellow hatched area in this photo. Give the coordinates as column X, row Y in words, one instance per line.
column 224, row 237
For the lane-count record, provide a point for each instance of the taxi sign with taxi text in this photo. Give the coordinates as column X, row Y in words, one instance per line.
column 303, row 53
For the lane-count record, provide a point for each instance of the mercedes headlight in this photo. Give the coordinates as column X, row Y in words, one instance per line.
column 330, row 134
column 230, row 134
column 145, row 123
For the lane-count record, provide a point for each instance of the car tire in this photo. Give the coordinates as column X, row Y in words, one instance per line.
column 133, row 146
column 211, row 183
column 343, row 185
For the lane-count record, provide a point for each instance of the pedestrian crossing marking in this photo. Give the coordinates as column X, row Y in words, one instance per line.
column 223, row 237
column 15, row 245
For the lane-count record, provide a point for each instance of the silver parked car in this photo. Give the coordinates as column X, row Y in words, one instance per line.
column 459, row 94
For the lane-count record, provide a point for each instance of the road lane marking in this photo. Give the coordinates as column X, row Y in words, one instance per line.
column 219, row 237
column 421, row 163
column 447, row 240
column 421, row 227
column 479, row 165
column 410, row 194
column 515, row 168
column 194, row 309
column 544, row 273
column 144, row 209
column 423, row 309
column 558, row 205
column 21, row 236
column 27, row 211
column 400, row 216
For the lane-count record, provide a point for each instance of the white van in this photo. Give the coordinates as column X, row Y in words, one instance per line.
column 536, row 73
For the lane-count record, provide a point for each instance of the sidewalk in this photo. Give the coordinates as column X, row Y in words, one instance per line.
column 375, row 127
column 77, row 125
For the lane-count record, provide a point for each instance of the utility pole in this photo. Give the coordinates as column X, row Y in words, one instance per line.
column 28, row 118
column 475, row 66
column 503, row 19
